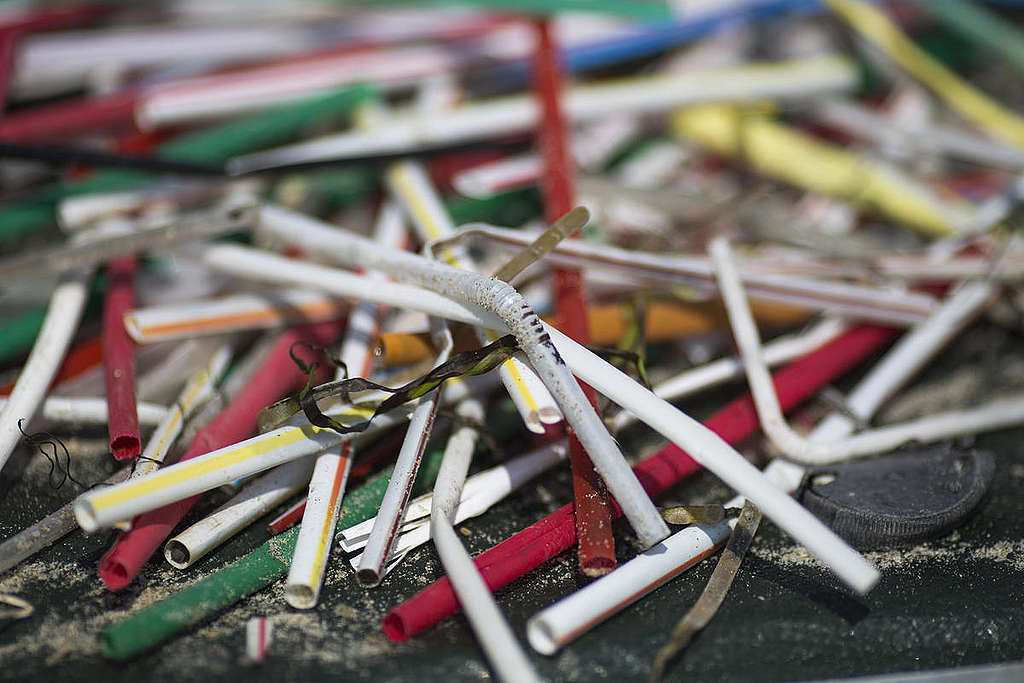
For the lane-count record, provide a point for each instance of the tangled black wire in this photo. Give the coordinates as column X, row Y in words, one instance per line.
column 42, row 440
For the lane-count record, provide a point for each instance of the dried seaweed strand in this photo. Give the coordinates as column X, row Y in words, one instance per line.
column 714, row 593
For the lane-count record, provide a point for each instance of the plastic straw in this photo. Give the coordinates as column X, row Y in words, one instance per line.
column 508, row 115
column 245, row 576
column 593, row 516
column 555, row 533
column 62, row 316
column 251, row 503
column 276, row 377
column 119, row 360
column 231, row 314
column 86, row 410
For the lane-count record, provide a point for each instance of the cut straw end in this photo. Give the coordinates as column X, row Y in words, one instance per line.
column 125, row 446
column 177, row 555
column 85, row 515
column 301, row 596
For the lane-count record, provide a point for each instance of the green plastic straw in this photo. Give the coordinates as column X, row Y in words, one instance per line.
column 245, row 576
column 212, row 146
column 640, row 10
column 982, row 27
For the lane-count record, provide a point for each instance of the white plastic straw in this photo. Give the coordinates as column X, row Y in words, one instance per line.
column 88, row 410
column 65, row 310
column 489, row 624
column 776, row 352
column 382, row 537
column 705, row 447
column 410, row 183
column 571, row 617
column 958, row 310
column 251, row 503
column 507, row 115
column 503, row 301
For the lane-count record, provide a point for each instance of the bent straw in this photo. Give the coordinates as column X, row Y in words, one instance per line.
column 869, row 303
column 555, row 533
column 489, row 625
column 959, row 310
column 65, row 310
column 411, row 185
column 119, row 359
column 230, row 314
column 508, row 306
column 250, row 573
column 251, row 503
column 507, row 115
column 596, row 546
column 502, row 300
column 781, row 350
column 331, row 470
column 275, row 377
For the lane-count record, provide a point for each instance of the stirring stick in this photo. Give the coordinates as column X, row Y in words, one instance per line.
column 593, row 516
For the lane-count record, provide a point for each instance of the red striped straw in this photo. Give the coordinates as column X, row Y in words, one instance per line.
column 556, row 533
column 119, row 359
column 593, row 510
column 275, row 378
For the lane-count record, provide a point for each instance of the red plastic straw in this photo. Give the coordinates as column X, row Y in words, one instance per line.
column 275, row 378
column 545, row 539
column 67, row 119
column 119, row 359
column 593, row 510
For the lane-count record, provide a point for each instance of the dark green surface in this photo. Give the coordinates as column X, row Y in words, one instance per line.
column 954, row 601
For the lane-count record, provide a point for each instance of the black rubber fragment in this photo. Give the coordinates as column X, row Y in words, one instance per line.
column 900, row 498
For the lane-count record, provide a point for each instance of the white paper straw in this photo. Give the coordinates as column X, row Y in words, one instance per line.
column 251, row 503
column 330, row 473
column 778, row 351
column 708, row 449
column 65, row 310
column 507, row 115
column 557, row 625
column 89, row 410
